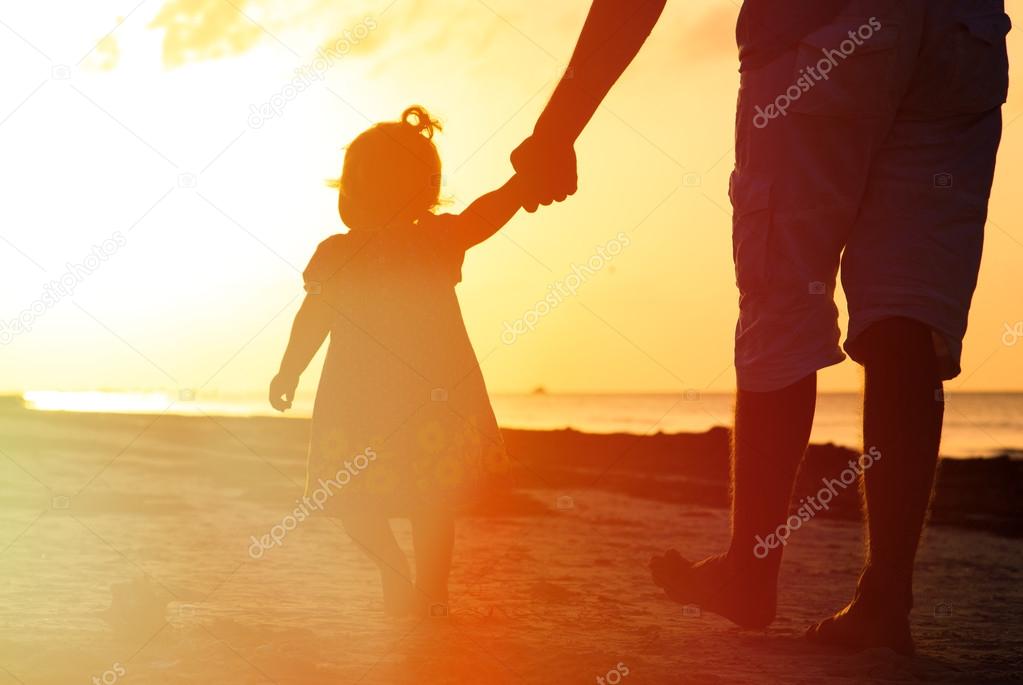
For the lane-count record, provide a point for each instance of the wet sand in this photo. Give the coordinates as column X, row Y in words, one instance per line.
column 126, row 557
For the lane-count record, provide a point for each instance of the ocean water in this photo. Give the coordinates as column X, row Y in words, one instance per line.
column 976, row 424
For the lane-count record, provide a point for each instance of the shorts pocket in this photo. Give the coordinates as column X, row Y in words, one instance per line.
column 966, row 71
column 751, row 224
column 844, row 69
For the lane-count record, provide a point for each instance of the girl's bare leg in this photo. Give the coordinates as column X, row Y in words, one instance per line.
column 373, row 534
column 433, row 536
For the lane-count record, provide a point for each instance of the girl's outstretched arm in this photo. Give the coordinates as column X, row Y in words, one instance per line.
column 488, row 214
column 312, row 324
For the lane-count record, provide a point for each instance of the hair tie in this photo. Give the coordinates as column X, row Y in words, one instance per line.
column 419, row 119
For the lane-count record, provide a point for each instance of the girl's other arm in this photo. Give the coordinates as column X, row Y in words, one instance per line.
column 487, row 215
column 312, row 324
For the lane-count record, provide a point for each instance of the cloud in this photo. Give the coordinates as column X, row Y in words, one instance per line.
column 196, row 30
column 105, row 55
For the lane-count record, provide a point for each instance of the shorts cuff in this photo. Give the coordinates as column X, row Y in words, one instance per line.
column 947, row 348
column 764, row 378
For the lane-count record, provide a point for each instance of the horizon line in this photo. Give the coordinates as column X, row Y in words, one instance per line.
column 539, row 391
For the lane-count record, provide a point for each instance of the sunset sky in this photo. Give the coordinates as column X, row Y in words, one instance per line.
column 142, row 124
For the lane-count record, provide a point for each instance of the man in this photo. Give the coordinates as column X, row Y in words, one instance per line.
column 866, row 137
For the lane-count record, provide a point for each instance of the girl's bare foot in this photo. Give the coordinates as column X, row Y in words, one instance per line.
column 432, row 603
column 859, row 627
column 399, row 595
column 747, row 597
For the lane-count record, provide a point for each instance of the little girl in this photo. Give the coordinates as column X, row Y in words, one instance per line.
column 402, row 425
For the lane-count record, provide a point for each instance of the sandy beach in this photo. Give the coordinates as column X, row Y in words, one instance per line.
column 127, row 557
column 529, row 262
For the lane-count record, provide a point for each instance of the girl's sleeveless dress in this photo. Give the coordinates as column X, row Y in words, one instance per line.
column 402, row 419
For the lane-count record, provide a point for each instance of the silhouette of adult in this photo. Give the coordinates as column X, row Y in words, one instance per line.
column 866, row 135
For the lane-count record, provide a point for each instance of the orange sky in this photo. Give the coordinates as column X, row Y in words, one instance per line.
column 148, row 134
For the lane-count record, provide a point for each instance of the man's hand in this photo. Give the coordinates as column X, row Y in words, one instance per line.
column 282, row 391
column 547, row 171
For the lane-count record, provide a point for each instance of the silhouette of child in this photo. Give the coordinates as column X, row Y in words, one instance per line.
column 402, row 424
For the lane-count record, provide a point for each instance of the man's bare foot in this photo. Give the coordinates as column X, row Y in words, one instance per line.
column 747, row 598
column 858, row 627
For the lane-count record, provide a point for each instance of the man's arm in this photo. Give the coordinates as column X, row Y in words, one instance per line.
column 312, row 324
column 614, row 32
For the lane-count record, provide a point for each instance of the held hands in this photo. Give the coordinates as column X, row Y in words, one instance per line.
column 546, row 170
column 282, row 391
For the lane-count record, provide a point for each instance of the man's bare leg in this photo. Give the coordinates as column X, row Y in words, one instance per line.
column 902, row 416
column 772, row 430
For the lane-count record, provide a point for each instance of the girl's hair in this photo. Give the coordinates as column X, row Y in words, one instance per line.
column 393, row 167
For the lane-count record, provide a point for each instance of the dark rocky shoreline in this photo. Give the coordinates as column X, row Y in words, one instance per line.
column 692, row 468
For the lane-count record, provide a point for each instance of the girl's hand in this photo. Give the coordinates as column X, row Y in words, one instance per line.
column 282, row 391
